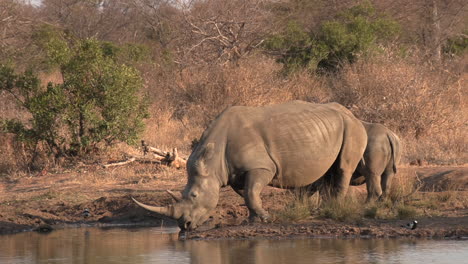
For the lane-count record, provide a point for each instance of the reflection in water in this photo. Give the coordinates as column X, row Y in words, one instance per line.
column 155, row 245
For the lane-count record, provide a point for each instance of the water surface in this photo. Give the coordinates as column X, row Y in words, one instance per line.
column 161, row 245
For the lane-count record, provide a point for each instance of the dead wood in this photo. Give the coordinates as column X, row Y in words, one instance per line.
column 132, row 159
column 120, row 163
column 171, row 159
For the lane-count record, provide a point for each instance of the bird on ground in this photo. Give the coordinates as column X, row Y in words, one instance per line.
column 86, row 212
column 411, row 225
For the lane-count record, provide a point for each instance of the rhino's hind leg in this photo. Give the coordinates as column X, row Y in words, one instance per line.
column 256, row 180
column 374, row 190
column 373, row 172
column 239, row 191
column 334, row 184
column 340, row 185
column 350, row 155
column 386, row 181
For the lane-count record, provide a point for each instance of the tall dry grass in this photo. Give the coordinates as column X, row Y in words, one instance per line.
column 191, row 98
column 424, row 104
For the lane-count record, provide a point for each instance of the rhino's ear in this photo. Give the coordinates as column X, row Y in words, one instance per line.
column 208, row 152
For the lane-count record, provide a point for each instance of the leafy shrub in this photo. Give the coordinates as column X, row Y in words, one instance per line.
column 97, row 102
column 355, row 31
column 296, row 48
column 457, row 45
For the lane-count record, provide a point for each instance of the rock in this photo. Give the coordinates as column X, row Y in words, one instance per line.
column 44, row 228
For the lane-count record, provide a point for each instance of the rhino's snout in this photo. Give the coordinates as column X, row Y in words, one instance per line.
column 188, row 225
column 185, row 224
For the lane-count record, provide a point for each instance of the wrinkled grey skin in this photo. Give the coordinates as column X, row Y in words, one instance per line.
column 287, row 145
column 380, row 161
column 378, row 165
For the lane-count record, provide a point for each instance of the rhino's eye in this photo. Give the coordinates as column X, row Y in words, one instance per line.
column 193, row 194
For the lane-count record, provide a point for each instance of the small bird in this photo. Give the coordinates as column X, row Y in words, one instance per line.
column 411, row 225
column 86, row 212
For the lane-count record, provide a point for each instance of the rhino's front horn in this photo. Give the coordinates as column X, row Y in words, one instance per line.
column 164, row 210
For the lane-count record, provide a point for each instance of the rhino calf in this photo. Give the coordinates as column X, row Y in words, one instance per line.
column 381, row 157
column 286, row 145
column 377, row 167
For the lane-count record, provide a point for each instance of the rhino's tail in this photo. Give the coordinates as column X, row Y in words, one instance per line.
column 395, row 146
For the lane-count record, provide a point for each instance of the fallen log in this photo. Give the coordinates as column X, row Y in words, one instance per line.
column 172, row 159
column 119, row 163
column 130, row 160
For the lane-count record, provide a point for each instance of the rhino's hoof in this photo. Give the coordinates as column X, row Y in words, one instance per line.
column 259, row 219
column 382, row 198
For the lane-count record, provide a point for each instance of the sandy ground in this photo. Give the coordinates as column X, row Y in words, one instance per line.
column 59, row 199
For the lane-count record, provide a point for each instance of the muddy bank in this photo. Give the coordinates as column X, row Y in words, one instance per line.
column 93, row 196
column 429, row 228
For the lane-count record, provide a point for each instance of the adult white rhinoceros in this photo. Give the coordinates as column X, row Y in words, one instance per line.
column 287, row 145
column 380, row 160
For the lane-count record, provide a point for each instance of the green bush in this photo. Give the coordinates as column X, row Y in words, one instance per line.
column 53, row 48
column 456, row 46
column 296, row 48
column 355, row 31
column 98, row 101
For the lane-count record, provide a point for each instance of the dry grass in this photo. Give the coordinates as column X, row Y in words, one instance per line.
column 406, row 201
column 166, row 132
column 434, row 203
column 302, row 206
column 439, row 148
column 406, row 212
column 299, row 206
column 399, row 201
column 344, row 210
column 404, row 186
column 424, row 105
column 198, row 94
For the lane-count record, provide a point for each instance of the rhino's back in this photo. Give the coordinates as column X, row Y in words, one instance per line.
column 299, row 140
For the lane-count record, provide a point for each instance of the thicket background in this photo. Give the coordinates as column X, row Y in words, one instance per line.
column 401, row 63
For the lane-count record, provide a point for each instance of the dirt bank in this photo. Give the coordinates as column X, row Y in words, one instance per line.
column 91, row 195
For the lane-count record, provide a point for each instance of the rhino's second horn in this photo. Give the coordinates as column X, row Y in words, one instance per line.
column 173, row 195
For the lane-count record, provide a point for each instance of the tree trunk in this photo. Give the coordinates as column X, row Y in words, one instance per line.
column 435, row 41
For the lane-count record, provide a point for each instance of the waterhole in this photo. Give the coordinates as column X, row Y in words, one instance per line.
column 161, row 245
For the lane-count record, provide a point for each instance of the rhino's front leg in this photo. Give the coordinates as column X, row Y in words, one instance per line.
column 255, row 181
